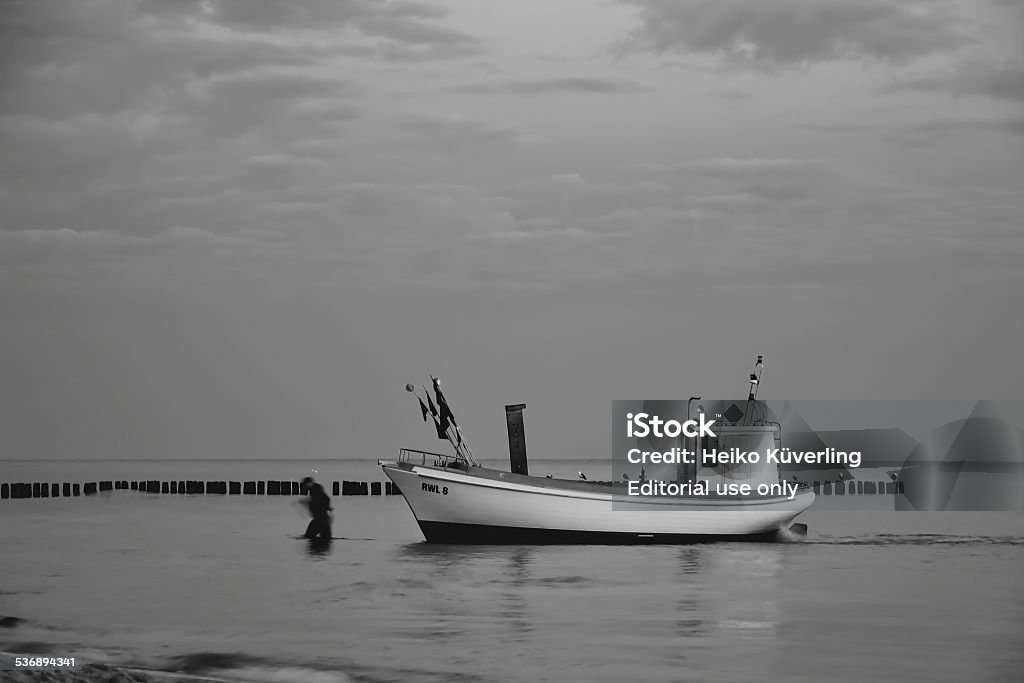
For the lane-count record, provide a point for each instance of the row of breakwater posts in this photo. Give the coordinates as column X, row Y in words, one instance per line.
column 858, row 488
column 342, row 488
column 193, row 487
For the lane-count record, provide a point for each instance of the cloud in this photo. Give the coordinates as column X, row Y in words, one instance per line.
column 569, row 84
column 676, row 218
column 1004, row 82
column 456, row 131
column 275, row 161
column 172, row 129
column 730, row 220
column 137, row 118
column 1013, row 5
column 66, row 246
column 102, row 56
column 746, row 163
column 768, row 33
column 741, row 220
column 926, row 132
column 268, row 98
column 409, row 29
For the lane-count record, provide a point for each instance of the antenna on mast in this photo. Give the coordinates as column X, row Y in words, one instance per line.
column 755, row 384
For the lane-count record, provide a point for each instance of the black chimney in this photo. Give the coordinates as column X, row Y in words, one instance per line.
column 516, row 438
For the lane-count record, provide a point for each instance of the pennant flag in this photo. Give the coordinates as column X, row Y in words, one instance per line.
column 423, row 408
column 446, row 415
column 433, row 410
column 442, row 431
column 446, row 412
column 437, row 392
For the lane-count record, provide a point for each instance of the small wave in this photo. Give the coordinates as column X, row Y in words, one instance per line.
column 917, row 539
column 241, row 667
column 9, row 622
column 284, row 674
column 559, row 580
column 199, row 662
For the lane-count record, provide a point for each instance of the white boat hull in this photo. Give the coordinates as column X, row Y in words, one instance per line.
column 486, row 506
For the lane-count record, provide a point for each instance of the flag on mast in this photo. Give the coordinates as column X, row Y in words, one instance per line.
column 442, row 432
column 444, row 421
column 433, row 410
column 446, row 415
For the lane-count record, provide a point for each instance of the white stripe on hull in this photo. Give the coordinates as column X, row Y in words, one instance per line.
column 452, row 497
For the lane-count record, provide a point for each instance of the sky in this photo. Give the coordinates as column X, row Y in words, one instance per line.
column 238, row 228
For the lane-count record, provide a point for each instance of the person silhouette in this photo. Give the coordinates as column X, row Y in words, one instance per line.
column 319, row 504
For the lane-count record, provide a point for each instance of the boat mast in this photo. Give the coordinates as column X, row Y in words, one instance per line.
column 444, row 421
column 755, row 384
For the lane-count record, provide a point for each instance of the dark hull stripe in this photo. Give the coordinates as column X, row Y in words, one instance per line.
column 482, row 534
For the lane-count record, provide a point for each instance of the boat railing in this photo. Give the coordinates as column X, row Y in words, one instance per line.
column 415, row 457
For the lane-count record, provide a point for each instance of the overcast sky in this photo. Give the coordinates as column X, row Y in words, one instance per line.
column 237, row 228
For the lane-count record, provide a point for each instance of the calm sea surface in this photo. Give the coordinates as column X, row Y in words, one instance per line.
column 220, row 584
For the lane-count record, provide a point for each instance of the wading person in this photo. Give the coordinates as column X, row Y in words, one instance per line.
column 319, row 504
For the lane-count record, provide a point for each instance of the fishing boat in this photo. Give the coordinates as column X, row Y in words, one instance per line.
column 456, row 500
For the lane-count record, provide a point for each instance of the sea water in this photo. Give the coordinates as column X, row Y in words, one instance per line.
column 220, row 585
